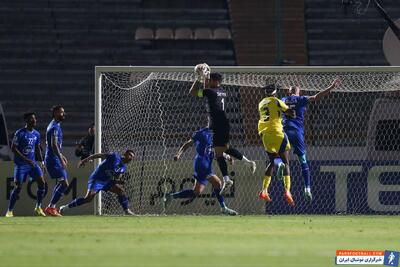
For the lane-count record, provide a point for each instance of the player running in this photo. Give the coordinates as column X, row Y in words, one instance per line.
column 106, row 177
column 218, row 122
column 202, row 170
column 26, row 145
column 275, row 142
column 294, row 128
column 56, row 163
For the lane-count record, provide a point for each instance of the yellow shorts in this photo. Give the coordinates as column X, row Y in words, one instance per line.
column 277, row 142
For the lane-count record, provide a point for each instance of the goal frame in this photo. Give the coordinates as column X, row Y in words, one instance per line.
column 226, row 69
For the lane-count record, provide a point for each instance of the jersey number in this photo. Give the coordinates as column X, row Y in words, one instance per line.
column 292, row 107
column 223, row 103
column 266, row 113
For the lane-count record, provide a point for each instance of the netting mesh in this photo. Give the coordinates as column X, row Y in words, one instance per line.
column 355, row 129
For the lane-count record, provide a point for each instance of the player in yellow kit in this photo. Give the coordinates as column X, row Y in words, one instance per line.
column 275, row 141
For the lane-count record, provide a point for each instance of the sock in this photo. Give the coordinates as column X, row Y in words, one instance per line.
column 305, row 170
column 57, row 194
column 13, row 198
column 234, row 153
column 123, row 200
column 266, row 182
column 226, row 178
column 277, row 161
column 75, row 203
column 39, row 195
column 220, row 198
column 222, row 165
column 286, row 182
column 188, row 193
column 246, row 159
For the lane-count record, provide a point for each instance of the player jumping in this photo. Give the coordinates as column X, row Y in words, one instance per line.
column 218, row 122
column 56, row 163
column 275, row 142
column 106, row 177
column 294, row 128
column 202, row 170
column 25, row 145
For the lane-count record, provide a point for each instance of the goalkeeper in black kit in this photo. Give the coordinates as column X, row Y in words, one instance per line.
column 217, row 119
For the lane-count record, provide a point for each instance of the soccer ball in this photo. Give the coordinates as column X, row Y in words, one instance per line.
column 202, row 71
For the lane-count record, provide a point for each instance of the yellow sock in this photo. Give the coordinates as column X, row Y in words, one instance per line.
column 286, row 182
column 266, row 182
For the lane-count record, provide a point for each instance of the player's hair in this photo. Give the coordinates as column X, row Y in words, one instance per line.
column 130, row 151
column 28, row 114
column 271, row 89
column 55, row 108
column 215, row 76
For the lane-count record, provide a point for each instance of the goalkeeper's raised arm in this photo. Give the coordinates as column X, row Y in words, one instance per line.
column 201, row 72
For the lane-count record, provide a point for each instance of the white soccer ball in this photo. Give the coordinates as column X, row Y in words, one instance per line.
column 202, row 71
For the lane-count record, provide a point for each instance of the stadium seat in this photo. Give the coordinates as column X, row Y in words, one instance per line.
column 144, row 34
column 183, row 34
column 222, row 34
column 203, row 34
column 164, row 34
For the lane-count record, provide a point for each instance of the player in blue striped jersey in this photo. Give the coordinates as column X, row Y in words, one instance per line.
column 203, row 173
column 294, row 127
column 106, row 177
column 26, row 148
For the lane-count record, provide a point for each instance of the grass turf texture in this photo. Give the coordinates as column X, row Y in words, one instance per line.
column 191, row 240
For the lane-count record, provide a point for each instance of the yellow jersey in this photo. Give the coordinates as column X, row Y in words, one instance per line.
column 270, row 110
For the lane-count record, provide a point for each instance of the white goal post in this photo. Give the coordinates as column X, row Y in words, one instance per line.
column 352, row 137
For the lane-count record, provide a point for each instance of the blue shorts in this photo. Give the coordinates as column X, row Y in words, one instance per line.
column 202, row 170
column 56, row 171
column 23, row 171
column 100, row 185
column 296, row 139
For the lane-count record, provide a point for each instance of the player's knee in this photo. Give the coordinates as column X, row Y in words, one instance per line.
column 64, row 183
column 88, row 198
column 40, row 182
column 286, row 171
column 303, row 159
column 119, row 191
column 18, row 187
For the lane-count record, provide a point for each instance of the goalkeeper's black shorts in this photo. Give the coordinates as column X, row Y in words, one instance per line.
column 221, row 134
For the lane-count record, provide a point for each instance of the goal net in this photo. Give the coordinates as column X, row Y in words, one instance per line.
column 352, row 138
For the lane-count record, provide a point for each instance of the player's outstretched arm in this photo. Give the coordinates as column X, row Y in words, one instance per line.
column 182, row 149
column 324, row 92
column 90, row 158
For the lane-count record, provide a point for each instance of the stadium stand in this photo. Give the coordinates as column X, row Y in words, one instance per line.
column 339, row 36
column 49, row 49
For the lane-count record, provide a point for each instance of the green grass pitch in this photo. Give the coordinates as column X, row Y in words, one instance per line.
column 191, row 240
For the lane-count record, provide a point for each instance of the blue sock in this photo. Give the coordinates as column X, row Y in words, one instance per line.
column 40, row 194
column 305, row 170
column 123, row 200
column 277, row 161
column 188, row 193
column 76, row 202
column 220, row 198
column 13, row 198
column 57, row 193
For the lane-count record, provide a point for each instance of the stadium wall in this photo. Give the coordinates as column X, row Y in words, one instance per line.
column 24, row 207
